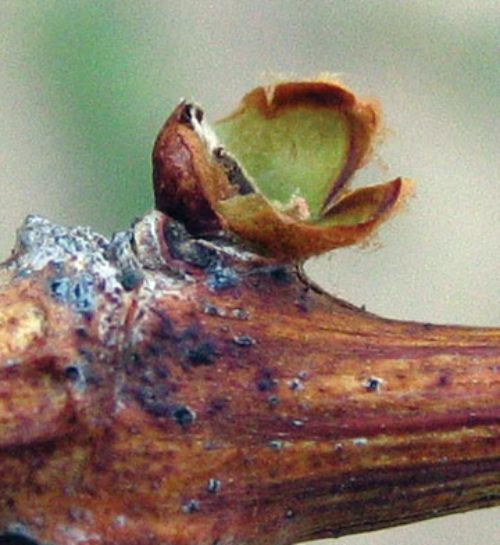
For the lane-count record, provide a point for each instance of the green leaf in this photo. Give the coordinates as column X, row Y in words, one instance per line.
column 296, row 152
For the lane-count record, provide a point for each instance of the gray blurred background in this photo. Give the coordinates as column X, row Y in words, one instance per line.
column 85, row 86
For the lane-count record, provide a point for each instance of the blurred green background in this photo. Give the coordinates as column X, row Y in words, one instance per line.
column 85, row 86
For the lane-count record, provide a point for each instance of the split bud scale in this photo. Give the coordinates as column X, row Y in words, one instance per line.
column 275, row 173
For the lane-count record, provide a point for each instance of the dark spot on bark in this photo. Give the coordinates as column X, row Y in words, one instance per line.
column 154, row 400
column 72, row 373
column 244, row 340
column 60, row 288
column 82, row 295
column 339, row 447
column 275, row 444
column 152, row 350
column 296, row 384
column 222, row 277
column 77, row 373
column 130, row 278
column 199, row 255
column 282, row 275
column 134, row 360
column 303, row 302
column 93, row 378
column 212, row 310
column 202, row 354
column 165, row 328
column 162, row 371
column 184, row 416
column 10, row 538
column 444, row 380
column 273, row 401
column 81, row 333
column 77, row 292
column 265, row 382
column 198, row 349
column 373, row 384
column 156, row 408
column 217, row 405
column 213, row 486
column 183, row 247
column 191, row 506
column 491, row 497
column 241, row 314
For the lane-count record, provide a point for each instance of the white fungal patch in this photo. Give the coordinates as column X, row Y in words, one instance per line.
column 96, row 276
column 84, row 270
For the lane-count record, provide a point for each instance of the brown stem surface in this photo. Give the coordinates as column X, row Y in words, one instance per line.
column 158, row 388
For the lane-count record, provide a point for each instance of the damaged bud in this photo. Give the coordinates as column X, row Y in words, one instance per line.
column 275, row 173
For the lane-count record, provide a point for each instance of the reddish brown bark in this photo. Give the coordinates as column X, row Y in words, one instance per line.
column 159, row 388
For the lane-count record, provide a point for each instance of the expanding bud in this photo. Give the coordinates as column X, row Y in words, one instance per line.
column 279, row 178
